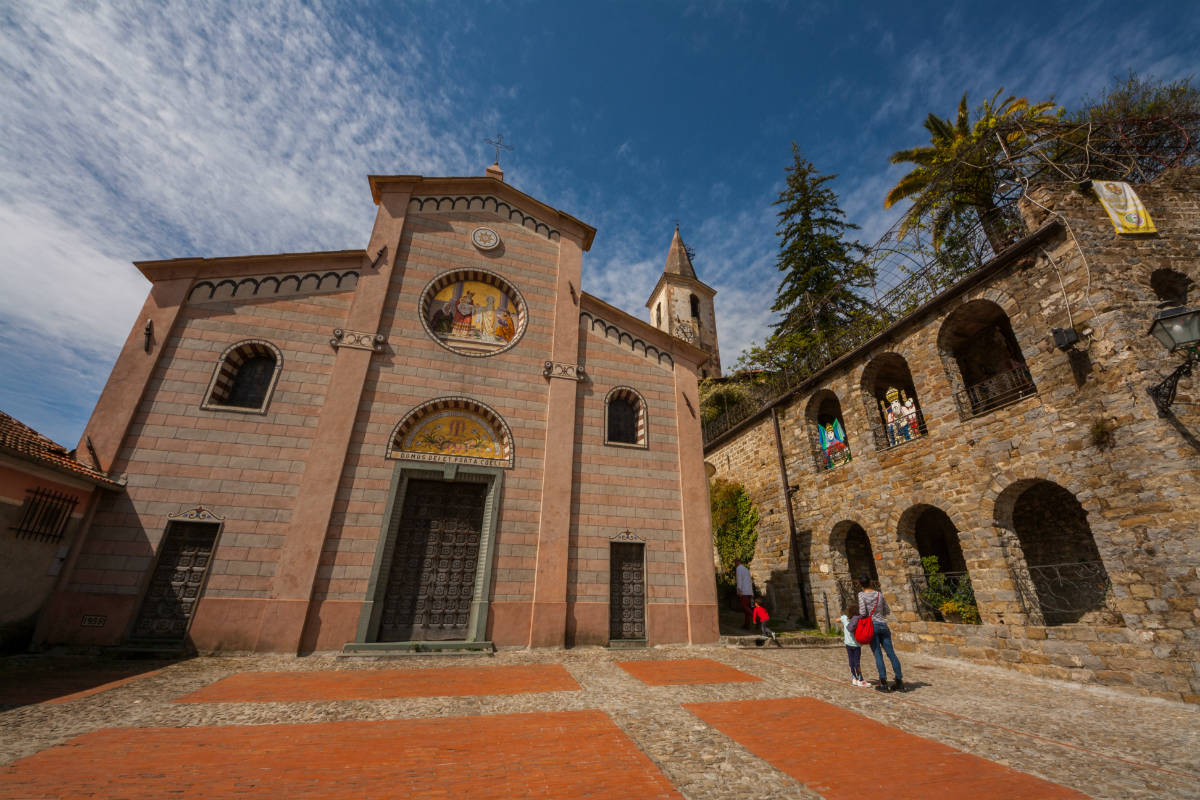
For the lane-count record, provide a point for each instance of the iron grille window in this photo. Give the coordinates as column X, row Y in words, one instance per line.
column 622, row 421
column 251, row 382
column 45, row 514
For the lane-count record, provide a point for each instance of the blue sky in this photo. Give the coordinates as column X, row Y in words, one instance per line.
column 216, row 129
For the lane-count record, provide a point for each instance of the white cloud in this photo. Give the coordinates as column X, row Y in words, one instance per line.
column 200, row 128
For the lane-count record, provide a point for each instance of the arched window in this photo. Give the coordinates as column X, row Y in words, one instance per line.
column 244, row 377
column 982, row 358
column 695, row 307
column 624, row 417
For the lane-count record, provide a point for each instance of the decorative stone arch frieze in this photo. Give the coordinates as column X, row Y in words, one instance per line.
column 484, row 203
column 641, row 417
column 228, row 370
column 440, row 317
column 260, row 286
column 627, row 536
column 624, row 338
column 453, row 430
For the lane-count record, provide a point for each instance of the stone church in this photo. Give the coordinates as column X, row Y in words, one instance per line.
column 440, row 441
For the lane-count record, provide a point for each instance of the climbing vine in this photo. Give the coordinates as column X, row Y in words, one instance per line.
column 734, row 522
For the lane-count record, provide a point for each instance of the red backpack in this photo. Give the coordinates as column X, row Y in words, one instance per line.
column 864, row 631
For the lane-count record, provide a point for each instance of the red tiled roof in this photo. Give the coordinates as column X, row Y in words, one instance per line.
column 24, row 442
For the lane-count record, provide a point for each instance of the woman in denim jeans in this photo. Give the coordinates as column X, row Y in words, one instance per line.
column 871, row 601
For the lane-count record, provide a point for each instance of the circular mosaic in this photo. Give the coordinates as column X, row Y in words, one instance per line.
column 473, row 312
column 485, row 238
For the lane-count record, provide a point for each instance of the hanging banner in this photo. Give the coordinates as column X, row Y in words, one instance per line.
column 1124, row 207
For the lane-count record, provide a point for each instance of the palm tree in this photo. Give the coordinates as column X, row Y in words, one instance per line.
column 960, row 169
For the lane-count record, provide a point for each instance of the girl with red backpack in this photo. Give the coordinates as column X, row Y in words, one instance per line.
column 873, row 607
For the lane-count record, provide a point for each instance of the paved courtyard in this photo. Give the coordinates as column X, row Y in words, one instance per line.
column 699, row 722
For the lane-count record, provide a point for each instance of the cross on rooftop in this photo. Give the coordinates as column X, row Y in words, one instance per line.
column 499, row 145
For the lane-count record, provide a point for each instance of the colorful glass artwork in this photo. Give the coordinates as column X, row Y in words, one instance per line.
column 900, row 420
column 456, row 433
column 472, row 316
column 833, row 443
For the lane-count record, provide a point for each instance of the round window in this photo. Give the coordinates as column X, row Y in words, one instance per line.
column 473, row 312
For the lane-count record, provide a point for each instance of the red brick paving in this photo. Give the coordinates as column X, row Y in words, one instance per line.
column 841, row 754
column 61, row 686
column 678, row 672
column 382, row 684
column 573, row 754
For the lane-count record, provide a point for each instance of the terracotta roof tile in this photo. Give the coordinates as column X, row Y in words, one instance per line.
column 24, row 442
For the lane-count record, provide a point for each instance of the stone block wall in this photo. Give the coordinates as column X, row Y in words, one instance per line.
column 1026, row 485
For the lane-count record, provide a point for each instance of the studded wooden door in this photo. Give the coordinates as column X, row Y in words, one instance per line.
column 432, row 576
column 170, row 601
column 627, row 592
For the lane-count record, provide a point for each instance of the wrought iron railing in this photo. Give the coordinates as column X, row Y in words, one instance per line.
column 1063, row 593
column 929, row 600
column 900, row 431
column 996, row 391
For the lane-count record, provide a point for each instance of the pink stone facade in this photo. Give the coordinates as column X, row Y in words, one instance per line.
column 305, row 489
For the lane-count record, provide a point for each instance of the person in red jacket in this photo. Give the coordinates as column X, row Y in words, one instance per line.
column 760, row 618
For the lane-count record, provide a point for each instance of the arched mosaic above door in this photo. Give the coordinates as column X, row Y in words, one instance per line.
column 453, row 430
column 473, row 312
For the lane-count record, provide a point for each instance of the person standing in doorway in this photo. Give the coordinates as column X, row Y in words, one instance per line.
column 745, row 590
column 872, row 603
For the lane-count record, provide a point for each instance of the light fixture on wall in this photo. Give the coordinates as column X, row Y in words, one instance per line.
column 1177, row 329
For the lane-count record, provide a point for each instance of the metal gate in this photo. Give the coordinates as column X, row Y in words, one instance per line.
column 432, row 576
column 627, row 592
column 170, row 601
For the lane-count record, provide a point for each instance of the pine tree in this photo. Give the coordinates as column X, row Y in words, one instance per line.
column 816, row 298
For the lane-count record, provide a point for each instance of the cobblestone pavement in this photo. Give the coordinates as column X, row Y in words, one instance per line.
column 1100, row 742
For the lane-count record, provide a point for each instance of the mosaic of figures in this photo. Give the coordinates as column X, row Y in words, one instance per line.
column 456, row 432
column 473, row 316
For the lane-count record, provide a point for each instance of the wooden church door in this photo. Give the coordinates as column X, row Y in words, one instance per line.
column 170, row 600
column 627, row 591
column 436, row 549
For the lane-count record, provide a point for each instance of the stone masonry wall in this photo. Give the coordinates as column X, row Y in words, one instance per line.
column 995, row 474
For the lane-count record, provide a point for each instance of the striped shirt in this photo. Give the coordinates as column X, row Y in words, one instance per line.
column 868, row 599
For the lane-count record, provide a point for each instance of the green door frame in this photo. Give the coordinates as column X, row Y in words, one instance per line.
column 372, row 609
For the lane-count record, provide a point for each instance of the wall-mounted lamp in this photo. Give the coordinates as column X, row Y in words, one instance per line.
column 1065, row 338
column 149, row 332
column 1176, row 329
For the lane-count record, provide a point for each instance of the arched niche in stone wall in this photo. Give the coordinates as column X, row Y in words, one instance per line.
column 826, row 427
column 1060, row 575
column 891, row 403
column 983, row 358
column 851, row 557
column 923, row 531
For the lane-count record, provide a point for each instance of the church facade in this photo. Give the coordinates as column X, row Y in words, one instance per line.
column 438, row 441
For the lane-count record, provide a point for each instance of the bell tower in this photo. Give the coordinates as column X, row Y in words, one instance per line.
column 682, row 305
